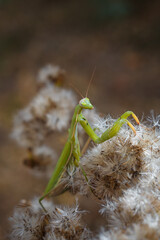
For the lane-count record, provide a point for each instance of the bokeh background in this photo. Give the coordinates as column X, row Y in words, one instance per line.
column 121, row 38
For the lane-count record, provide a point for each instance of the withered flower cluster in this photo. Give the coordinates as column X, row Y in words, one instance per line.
column 30, row 222
column 134, row 213
column 48, row 112
column 122, row 174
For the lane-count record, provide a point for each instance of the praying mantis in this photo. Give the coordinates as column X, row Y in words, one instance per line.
column 71, row 152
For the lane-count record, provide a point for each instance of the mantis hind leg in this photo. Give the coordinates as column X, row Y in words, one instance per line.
column 57, row 190
column 40, row 201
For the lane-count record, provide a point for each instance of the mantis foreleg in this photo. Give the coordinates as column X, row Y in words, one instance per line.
column 110, row 132
column 76, row 148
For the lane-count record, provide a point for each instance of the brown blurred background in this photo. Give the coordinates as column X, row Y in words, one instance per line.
column 121, row 38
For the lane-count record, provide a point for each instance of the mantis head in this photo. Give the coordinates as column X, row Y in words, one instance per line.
column 85, row 103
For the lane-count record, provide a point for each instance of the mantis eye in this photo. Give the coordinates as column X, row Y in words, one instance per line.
column 81, row 102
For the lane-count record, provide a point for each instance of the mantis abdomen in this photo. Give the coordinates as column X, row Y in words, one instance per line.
column 60, row 166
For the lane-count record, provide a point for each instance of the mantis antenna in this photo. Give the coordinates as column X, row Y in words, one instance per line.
column 90, row 80
column 77, row 90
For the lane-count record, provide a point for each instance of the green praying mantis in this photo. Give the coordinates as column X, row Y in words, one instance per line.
column 71, row 152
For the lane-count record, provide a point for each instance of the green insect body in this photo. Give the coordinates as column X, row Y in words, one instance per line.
column 71, row 149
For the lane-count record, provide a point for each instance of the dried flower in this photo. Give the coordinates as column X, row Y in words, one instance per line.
column 41, row 160
column 136, row 231
column 54, row 105
column 111, row 167
column 50, row 74
column 30, row 222
column 49, row 110
column 65, row 224
column 135, row 214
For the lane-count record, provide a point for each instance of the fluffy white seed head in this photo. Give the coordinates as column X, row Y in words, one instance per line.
column 50, row 74
column 30, row 222
column 50, row 110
